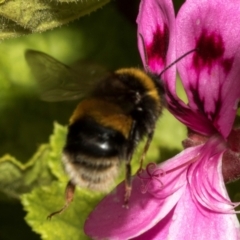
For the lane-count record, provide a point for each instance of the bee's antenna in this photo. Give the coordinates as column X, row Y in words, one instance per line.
column 177, row 60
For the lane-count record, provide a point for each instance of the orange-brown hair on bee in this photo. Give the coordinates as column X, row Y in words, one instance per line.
column 116, row 111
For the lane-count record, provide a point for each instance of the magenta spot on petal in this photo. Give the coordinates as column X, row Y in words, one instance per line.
column 210, row 49
column 200, row 101
column 197, row 99
column 227, row 65
column 157, row 49
column 210, row 53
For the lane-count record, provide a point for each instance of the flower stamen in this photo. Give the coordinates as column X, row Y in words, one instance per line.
column 153, row 173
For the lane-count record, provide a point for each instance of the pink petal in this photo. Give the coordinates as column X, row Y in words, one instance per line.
column 206, row 179
column 189, row 223
column 206, row 200
column 198, row 213
column 160, row 230
column 110, row 220
column 211, row 75
column 156, row 36
column 185, row 221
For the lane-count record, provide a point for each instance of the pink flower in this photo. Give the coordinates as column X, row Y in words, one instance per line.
column 185, row 197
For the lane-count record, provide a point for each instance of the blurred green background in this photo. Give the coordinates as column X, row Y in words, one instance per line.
column 107, row 37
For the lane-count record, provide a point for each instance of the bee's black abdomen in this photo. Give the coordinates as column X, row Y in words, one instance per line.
column 87, row 137
column 92, row 153
column 96, row 143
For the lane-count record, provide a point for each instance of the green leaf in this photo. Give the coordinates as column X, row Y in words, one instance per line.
column 69, row 225
column 22, row 17
column 17, row 178
column 45, row 166
column 57, row 142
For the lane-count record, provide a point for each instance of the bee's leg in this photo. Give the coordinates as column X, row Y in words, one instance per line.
column 132, row 142
column 146, row 147
column 69, row 193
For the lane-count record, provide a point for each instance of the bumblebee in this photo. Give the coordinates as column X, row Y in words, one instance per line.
column 116, row 111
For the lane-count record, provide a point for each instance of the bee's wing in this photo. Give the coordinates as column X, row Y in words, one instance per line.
column 59, row 82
